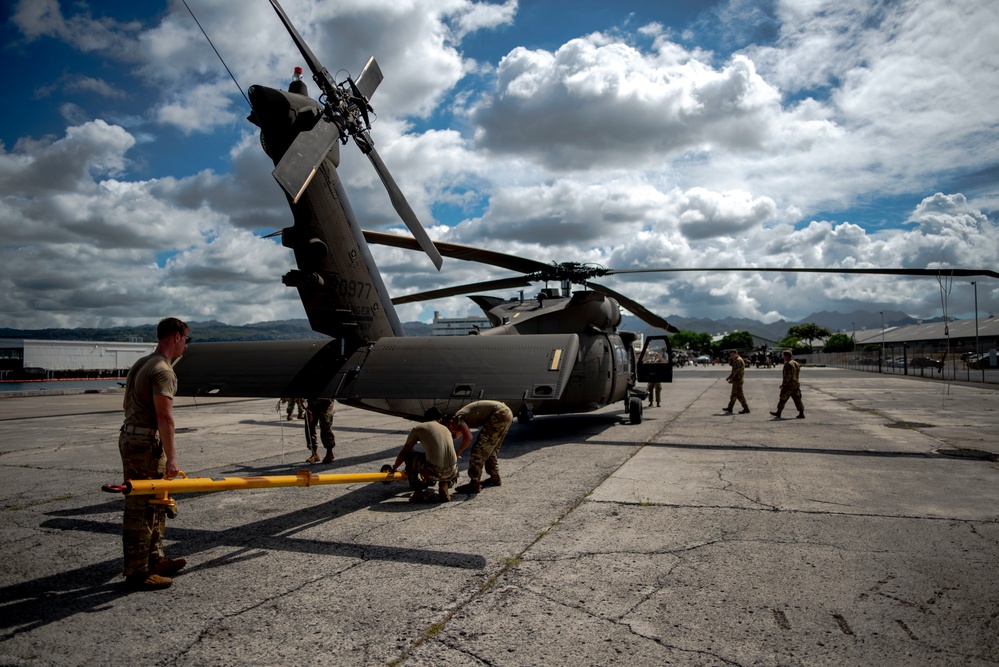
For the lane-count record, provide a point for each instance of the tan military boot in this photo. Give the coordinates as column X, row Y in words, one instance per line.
column 145, row 581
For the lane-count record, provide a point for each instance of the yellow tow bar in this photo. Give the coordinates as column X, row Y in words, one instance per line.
column 161, row 488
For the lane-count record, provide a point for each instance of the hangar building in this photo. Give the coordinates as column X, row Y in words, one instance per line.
column 21, row 358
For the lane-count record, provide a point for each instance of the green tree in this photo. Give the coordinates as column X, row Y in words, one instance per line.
column 796, row 345
column 839, row 343
column 737, row 340
column 691, row 340
column 809, row 331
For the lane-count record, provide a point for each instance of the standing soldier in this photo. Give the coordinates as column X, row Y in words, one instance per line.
column 789, row 387
column 655, row 389
column 148, row 451
column 319, row 410
column 737, row 377
column 493, row 420
column 295, row 403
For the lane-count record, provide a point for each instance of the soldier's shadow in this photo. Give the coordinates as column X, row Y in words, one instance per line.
column 96, row 586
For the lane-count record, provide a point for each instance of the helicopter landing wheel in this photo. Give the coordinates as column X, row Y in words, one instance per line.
column 635, row 406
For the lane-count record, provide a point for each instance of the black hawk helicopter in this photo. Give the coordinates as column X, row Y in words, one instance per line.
column 559, row 353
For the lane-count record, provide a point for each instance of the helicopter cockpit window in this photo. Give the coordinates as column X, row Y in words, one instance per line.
column 655, row 353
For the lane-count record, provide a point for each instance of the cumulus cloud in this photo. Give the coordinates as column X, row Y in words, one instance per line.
column 598, row 100
column 628, row 147
column 83, row 249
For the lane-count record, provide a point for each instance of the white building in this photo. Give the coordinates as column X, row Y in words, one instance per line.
column 63, row 358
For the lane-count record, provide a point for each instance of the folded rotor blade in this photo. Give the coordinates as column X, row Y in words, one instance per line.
column 299, row 163
column 486, row 286
column 636, row 308
column 402, row 206
column 463, row 252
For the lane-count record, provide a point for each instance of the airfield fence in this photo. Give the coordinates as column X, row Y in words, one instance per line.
column 914, row 359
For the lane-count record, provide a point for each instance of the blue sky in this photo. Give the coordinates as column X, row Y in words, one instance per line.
column 630, row 134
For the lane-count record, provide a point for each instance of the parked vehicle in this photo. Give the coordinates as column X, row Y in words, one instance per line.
column 925, row 362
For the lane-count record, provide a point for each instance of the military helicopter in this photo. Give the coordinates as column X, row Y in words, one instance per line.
column 559, row 353
column 573, row 359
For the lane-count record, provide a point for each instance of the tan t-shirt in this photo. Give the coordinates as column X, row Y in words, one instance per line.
column 437, row 443
column 149, row 376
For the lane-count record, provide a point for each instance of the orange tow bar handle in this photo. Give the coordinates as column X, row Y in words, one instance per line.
column 161, row 488
column 161, row 496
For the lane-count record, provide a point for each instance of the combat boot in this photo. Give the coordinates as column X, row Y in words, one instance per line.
column 472, row 487
column 801, row 415
column 727, row 409
column 167, row 567
column 444, row 492
column 493, row 480
column 146, row 581
column 329, row 456
column 744, row 412
column 775, row 414
column 314, row 458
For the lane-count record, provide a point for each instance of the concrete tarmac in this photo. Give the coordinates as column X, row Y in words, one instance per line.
column 865, row 534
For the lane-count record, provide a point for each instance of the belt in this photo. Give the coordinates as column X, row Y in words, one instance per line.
column 137, row 430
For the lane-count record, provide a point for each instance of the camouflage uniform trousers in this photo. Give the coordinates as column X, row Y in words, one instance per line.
column 295, row 403
column 322, row 411
column 737, row 395
column 143, row 525
column 487, row 444
column 655, row 390
column 422, row 474
column 792, row 394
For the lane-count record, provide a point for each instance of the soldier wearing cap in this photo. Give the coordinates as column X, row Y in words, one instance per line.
column 790, row 388
column 148, row 451
column 736, row 378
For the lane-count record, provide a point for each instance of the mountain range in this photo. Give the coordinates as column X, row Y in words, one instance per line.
column 299, row 329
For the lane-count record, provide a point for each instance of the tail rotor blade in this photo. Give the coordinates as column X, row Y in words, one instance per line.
column 369, row 79
column 402, row 207
column 299, row 164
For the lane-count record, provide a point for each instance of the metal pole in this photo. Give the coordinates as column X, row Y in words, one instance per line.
column 161, row 488
column 882, row 342
column 978, row 349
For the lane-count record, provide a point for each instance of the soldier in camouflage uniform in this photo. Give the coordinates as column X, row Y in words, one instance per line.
column 148, row 451
column 319, row 410
column 737, row 377
column 292, row 404
column 493, row 420
column 790, row 388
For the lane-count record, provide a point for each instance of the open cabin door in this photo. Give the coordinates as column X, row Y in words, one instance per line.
column 655, row 363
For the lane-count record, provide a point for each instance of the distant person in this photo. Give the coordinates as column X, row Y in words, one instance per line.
column 148, row 451
column 436, row 463
column 319, row 411
column 789, row 387
column 493, row 420
column 736, row 378
column 655, row 389
column 295, row 403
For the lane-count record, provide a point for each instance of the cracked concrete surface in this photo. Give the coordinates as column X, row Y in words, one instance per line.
column 694, row 538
